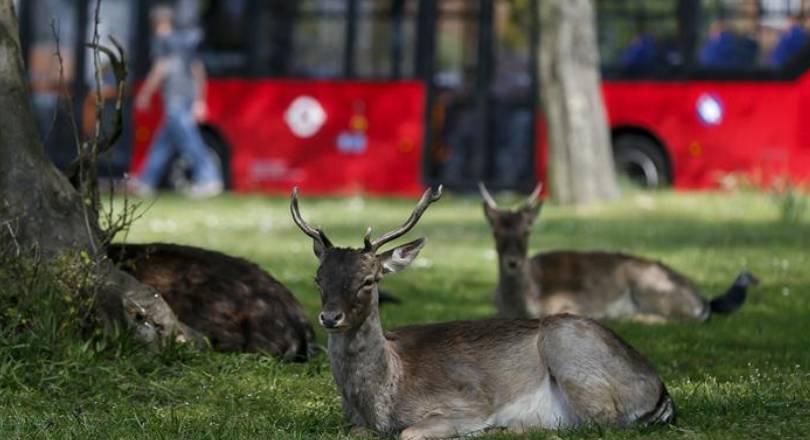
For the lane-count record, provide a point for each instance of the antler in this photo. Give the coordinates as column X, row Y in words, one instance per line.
column 490, row 201
column 428, row 197
column 533, row 197
column 486, row 195
column 315, row 233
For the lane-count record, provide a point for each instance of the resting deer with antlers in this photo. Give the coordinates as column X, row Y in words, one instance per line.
column 600, row 285
column 459, row 378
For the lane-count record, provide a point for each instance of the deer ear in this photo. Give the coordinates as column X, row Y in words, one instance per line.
column 400, row 257
column 319, row 246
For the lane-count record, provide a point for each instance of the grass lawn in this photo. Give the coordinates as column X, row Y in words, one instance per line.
column 742, row 376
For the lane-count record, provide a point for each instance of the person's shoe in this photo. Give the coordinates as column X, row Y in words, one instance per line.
column 205, row 190
column 137, row 188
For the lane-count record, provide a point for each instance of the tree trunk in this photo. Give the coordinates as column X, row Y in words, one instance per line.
column 45, row 213
column 580, row 161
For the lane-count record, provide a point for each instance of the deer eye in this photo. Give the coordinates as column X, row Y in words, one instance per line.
column 367, row 284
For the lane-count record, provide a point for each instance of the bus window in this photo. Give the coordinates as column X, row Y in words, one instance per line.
column 639, row 38
column 225, row 43
column 274, row 42
column 728, row 35
column 319, row 39
column 386, row 38
column 748, row 34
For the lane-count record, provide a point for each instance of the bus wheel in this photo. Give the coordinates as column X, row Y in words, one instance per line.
column 641, row 160
column 179, row 174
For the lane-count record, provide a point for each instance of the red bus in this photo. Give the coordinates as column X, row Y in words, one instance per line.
column 340, row 96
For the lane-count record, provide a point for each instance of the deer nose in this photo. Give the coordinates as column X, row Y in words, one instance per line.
column 512, row 263
column 331, row 319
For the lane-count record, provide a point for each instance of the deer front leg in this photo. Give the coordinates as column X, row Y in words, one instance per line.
column 439, row 427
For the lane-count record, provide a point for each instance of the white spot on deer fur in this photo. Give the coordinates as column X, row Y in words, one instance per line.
column 559, row 303
column 622, row 306
column 656, row 278
column 545, row 406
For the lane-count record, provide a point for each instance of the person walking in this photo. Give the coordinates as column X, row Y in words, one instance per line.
column 180, row 75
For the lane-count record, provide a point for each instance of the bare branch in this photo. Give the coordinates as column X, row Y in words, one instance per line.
column 13, row 236
column 119, row 67
column 103, row 144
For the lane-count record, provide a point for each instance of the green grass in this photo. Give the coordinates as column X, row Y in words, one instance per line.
column 742, row 376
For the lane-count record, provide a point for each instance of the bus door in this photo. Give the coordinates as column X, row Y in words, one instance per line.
column 455, row 121
column 513, row 96
column 482, row 95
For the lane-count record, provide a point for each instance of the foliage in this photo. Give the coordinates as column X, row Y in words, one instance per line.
column 789, row 197
column 47, row 302
column 792, row 203
column 742, row 376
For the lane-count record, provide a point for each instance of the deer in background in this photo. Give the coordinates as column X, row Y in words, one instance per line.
column 459, row 378
column 233, row 302
column 600, row 285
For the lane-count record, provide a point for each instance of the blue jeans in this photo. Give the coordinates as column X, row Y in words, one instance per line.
column 179, row 132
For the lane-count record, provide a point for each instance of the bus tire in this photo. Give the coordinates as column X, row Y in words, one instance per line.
column 221, row 153
column 642, row 160
column 178, row 175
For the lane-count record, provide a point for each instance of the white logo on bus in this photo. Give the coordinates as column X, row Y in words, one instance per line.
column 305, row 116
column 710, row 109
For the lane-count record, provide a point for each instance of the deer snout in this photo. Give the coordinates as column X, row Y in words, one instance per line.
column 511, row 263
column 331, row 319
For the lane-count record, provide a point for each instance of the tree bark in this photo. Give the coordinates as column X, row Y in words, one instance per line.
column 45, row 213
column 580, row 161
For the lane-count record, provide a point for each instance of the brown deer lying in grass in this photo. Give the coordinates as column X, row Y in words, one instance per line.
column 600, row 285
column 232, row 301
column 459, row 378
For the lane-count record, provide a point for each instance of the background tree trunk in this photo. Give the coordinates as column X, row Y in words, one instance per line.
column 45, row 213
column 580, row 161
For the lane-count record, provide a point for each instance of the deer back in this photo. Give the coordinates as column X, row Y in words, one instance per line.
column 233, row 302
